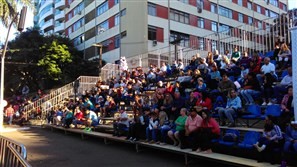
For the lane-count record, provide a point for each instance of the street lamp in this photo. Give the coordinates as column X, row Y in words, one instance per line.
column 100, row 56
column 21, row 24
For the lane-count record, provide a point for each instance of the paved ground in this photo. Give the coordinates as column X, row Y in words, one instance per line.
column 55, row 149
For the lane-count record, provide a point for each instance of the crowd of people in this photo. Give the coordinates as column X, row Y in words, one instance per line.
column 180, row 110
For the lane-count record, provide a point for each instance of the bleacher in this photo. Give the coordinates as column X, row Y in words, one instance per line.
column 187, row 153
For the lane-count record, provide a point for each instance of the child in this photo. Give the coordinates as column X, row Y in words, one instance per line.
column 152, row 129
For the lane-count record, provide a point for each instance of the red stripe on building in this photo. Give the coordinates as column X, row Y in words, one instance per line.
column 235, row 15
column 193, row 41
column 193, row 20
column 111, row 22
column 111, row 44
column 206, row 5
column 235, row 1
column 160, row 34
column 110, row 4
column 245, row 19
column 263, row 10
column 193, row 2
column 207, row 24
column 244, row 3
column 281, row 6
column 162, row 11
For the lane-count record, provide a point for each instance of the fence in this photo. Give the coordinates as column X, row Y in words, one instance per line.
column 109, row 71
column 259, row 35
column 41, row 106
column 12, row 153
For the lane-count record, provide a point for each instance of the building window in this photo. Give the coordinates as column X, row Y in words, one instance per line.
column 117, row 41
column 214, row 26
column 225, row 12
column 152, row 33
column 102, row 8
column 213, row 8
column 78, row 24
column 183, row 38
column 152, row 9
column 224, row 29
column 250, row 20
column 117, row 19
column 273, row 2
column 200, row 22
column 102, row 27
column 200, row 4
column 201, row 43
column 70, row 15
column 273, row 14
column 239, row 2
column 249, row 5
column 123, row 12
column 69, row 30
column 179, row 16
column 267, row 12
column 240, row 17
column 258, row 8
column 213, row 45
column 78, row 9
column 78, row 40
column 116, row 1
column 260, row 24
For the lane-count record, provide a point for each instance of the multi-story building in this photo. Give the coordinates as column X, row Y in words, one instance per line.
column 128, row 28
column 49, row 16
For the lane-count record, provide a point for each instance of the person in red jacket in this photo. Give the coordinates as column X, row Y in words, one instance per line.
column 204, row 103
column 209, row 130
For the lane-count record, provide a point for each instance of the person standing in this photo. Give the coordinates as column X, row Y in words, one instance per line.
column 9, row 112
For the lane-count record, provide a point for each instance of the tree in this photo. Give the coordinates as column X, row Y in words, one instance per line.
column 55, row 57
column 8, row 9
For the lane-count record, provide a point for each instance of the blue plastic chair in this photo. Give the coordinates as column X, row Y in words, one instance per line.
column 269, row 54
column 273, row 62
column 274, row 110
column 250, row 138
column 230, row 143
column 254, row 113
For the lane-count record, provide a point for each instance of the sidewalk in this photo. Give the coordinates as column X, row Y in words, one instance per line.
column 12, row 128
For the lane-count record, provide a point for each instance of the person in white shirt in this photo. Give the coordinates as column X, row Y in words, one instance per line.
column 122, row 122
column 266, row 68
column 281, row 89
column 163, row 67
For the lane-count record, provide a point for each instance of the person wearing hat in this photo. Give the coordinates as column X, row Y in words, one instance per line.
column 192, row 125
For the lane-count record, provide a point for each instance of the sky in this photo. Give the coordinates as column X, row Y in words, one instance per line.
column 29, row 22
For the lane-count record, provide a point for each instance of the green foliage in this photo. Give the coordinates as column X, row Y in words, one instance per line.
column 55, row 57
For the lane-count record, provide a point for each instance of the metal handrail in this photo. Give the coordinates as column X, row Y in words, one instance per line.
column 10, row 151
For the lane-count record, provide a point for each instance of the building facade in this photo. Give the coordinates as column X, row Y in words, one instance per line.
column 130, row 28
column 50, row 16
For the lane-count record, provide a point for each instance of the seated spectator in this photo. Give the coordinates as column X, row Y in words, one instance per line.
column 209, row 59
column 191, row 102
column 120, row 123
column 209, row 130
column 235, row 55
column 58, row 116
column 91, row 119
column 191, row 132
column 136, row 127
column 244, row 60
column 164, row 126
column 266, row 68
column 287, row 106
column 215, row 77
column 173, row 134
column 203, row 67
column 281, row 88
column 232, row 107
column 276, row 51
column 163, row 67
column 179, row 88
column 268, row 90
column 151, row 77
column 169, row 88
column 217, row 58
column 255, row 63
column 196, row 75
column 284, row 56
column 291, row 138
column 243, row 74
column 152, row 129
column 78, row 117
column 201, row 86
column 68, row 118
column 167, row 103
column 251, row 88
column 271, row 139
column 204, row 103
column 224, row 63
column 178, row 103
column 180, row 65
column 225, row 85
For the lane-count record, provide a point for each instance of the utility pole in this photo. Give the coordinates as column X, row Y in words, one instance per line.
column 100, row 56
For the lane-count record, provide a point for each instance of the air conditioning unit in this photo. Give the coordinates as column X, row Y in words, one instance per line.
column 155, row 42
column 79, row 13
column 199, row 8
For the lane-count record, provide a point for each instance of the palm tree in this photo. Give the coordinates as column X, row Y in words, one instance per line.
column 8, row 9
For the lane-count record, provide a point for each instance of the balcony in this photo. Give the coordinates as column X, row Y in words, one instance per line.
column 48, row 25
column 59, row 28
column 59, row 4
column 59, row 15
column 48, row 15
